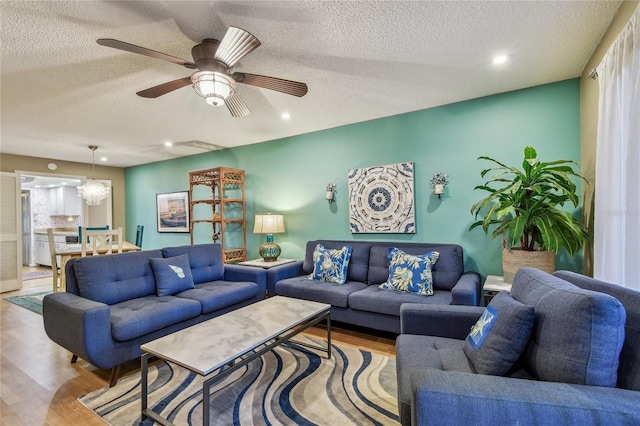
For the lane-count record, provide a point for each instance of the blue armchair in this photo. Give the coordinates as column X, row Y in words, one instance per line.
column 581, row 364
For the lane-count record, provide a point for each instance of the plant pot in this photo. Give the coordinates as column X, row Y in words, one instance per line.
column 438, row 189
column 514, row 259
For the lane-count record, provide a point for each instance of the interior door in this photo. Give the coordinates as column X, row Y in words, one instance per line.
column 10, row 232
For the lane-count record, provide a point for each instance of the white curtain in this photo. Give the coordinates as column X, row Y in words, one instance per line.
column 617, row 190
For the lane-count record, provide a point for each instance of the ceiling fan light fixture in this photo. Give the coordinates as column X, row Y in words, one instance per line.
column 214, row 87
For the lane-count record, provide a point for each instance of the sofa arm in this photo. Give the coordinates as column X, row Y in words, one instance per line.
column 282, row 272
column 79, row 325
column 247, row 274
column 467, row 290
column 452, row 321
column 465, row 398
column 288, row 270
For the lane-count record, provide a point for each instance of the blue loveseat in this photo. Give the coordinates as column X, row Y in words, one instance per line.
column 580, row 364
column 115, row 303
column 359, row 300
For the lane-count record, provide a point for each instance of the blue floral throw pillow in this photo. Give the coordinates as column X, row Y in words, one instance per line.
column 410, row 273
column 330, row 265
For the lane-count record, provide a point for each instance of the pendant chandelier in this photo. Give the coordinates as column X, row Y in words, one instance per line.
column 93, row 191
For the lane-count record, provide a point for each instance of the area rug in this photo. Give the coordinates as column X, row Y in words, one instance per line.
column 36, row 274
column 291, row 385
column 32, row 302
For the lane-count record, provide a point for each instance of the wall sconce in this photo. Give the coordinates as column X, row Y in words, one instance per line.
column 330, row 192
column 438, row 182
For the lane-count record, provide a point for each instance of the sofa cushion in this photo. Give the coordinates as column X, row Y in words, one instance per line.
column 116, row 277
column 446, row 272
column 220, row 294
column 577, row 334
column 317, row 291
column 136, row 317
column 374, row 299
column 358, row 264
column 629, row 369
column 330, row 265
column 205, row 261
column 173, row 274
column 497, row 340
column 409, row 272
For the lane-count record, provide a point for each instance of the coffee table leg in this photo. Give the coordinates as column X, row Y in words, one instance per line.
column 329, row 337
column 144, row 378
column 206, row 402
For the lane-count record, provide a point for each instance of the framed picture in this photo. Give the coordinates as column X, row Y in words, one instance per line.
column 381, row 199
column 173, row 211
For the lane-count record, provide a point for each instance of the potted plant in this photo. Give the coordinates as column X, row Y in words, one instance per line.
column 438, row 182
column 526, row 206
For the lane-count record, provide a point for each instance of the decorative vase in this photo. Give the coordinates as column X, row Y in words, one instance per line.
column 438, row 189
column 514, row 259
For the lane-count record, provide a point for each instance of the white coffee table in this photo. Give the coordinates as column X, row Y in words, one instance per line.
column 219, row 343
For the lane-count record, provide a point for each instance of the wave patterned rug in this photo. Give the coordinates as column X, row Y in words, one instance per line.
column 290, row 385
column 32, row 302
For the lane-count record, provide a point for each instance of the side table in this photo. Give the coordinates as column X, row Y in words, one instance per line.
column 493, row 285
column 260, row 263
column 271, row 273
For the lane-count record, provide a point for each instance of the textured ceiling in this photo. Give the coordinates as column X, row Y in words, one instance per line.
column 61, row 91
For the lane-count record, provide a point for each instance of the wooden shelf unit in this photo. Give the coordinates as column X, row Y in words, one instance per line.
column 221, row 180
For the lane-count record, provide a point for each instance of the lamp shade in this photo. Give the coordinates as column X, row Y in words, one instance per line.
column 268, row 224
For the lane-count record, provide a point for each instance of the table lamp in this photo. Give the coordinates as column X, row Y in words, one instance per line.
column 269, row 224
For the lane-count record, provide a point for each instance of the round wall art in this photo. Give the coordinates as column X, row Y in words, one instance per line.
column 381, row 199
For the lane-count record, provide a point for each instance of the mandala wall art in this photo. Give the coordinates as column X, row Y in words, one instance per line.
column 381, row 199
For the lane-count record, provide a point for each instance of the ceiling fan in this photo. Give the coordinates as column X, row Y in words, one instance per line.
column 213, row 80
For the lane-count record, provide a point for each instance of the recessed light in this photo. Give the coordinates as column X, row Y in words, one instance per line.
column 103, row 158
column 168, row 144
column 500, row 59
column 286, row 116
column 64, row 183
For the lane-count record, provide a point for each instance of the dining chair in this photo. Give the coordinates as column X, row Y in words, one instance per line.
column 102, row 241
column 54, row 260
column 90, row 228
column 139, row 232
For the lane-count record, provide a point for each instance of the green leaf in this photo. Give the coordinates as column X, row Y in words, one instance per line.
column 526, row 204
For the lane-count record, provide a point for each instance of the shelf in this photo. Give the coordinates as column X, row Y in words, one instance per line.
column 216, row 201
column 221, row 181
column 217, row 220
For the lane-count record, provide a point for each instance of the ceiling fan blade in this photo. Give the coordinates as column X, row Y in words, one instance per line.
column 289, row 87
column 236, row 106
column 236, row 44
column 117, row 44
column 163, row 89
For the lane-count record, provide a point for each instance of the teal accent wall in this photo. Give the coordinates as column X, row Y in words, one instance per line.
column 289, row 175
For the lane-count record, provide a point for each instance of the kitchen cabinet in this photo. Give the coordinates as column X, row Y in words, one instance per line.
column 64, row 201
column 42, row 252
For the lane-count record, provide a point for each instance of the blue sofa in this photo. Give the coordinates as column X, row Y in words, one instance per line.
column 115, row 303
column 580, row 365
column 359, row 300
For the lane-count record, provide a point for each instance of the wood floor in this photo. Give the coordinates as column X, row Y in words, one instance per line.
column 39, row 385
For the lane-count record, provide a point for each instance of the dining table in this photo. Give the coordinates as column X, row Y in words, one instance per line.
column 69, row 251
